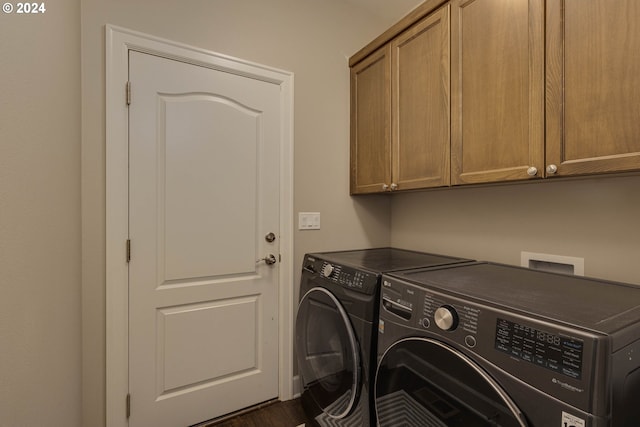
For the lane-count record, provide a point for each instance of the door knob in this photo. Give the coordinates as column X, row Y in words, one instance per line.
column 270, row 237
column 269, row 259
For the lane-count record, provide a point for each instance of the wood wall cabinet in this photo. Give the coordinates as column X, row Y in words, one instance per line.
column 497, row 51
column 415, row 154
column 482, row 91
column 371, row 123
column 420, row 104
column 592, row 86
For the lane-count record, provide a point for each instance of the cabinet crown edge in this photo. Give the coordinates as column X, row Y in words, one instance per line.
column 408, row 20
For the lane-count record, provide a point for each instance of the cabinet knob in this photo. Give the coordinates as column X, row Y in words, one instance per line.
column 385, row 187
column 532, row 171
column 394, row 186
column 551, row 169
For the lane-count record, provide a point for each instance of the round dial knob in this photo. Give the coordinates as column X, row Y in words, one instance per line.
column 446, row 318
column 327, row 270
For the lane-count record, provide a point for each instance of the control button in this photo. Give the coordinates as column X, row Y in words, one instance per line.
column 426, row 322
column 446, row 318
column 470, row 341
column 327, row 270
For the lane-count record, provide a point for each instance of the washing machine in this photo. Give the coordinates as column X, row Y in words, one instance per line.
column 336, row 329
column 485, row 344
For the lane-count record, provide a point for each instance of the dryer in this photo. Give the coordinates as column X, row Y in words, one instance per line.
column 485, row 344
column 336, row 331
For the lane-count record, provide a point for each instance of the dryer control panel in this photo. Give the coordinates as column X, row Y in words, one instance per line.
column 344, row 276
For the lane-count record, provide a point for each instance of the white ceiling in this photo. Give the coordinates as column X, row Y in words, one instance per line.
column 387, row 10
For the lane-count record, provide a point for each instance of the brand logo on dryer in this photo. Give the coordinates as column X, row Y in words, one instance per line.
column 567, row 386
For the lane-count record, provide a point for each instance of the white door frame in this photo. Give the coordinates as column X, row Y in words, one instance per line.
column 118, row 43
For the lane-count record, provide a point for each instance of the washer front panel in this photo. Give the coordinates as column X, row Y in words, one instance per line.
column 509, row 340
column 422, row 381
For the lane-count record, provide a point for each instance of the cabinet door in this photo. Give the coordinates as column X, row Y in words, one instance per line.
column 371, row 123
column 420, row 106
column 593, row 86
column 497, row 50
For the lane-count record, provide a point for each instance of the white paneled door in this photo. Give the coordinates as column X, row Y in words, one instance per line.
column 203, row 197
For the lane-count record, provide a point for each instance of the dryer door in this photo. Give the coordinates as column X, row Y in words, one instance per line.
column 328, row 353
column 427, row 383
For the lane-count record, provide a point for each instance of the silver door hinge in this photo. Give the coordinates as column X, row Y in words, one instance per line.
column 128, row 405
column 128, row 90
column 128, row 250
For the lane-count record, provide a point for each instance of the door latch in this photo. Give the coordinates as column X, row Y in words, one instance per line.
column 269, row 259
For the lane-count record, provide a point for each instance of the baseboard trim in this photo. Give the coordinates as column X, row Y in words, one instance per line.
column 296, row 387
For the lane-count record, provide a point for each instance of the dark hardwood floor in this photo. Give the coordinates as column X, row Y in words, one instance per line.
column 272, row 414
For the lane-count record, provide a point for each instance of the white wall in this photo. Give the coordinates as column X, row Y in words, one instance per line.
column 592, row 218
column 40, row 327
column 311, row 38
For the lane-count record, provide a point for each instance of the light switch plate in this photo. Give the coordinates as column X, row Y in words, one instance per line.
column 308, row 220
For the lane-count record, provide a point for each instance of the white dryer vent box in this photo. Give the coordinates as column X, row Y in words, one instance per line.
column 552, row 263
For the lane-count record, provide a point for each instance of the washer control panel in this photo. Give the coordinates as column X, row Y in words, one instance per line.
column 562, row 354
column 494, row 332
column 427, row 310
